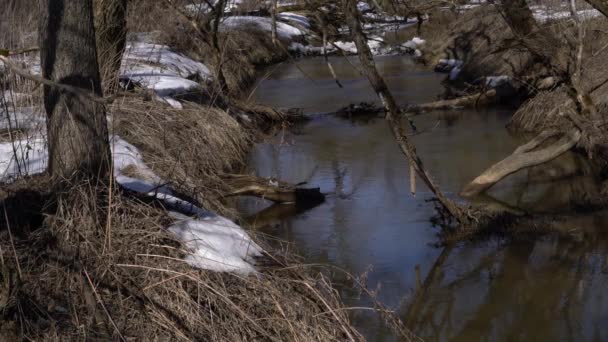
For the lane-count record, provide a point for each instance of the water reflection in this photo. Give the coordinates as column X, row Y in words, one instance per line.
column 526, row 290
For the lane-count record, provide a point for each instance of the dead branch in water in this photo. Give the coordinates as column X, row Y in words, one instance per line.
column 272, row 190
column 469, row 101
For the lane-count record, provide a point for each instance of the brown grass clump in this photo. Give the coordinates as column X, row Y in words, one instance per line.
column 547, row 108
column 189, row 148
column 105, row 268
column 244, row 50
column 478, row 37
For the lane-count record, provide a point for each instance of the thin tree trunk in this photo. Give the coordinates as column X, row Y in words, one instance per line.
column 77, row 127
column 111, row 29
column 273, row 13
column 219, row 72
column 393, row 112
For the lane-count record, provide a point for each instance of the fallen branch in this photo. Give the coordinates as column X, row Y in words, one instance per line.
column 89, row 95
column 522, row 158
column 470, row 101
column 272, row 190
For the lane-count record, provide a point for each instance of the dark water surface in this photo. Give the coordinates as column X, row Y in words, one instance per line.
column 552, row 289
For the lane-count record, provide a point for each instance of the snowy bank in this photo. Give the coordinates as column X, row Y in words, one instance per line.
column 261, row 23
column 214, row 242
column 157, row 67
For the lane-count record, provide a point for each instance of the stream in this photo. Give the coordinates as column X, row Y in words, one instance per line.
column 492, row 290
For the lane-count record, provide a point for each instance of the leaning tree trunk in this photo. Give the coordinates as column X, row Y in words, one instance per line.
column 600, row 5
column 393, row 112
column 111, row 29
column 77, row 127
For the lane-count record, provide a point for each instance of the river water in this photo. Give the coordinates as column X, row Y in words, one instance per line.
column 370, row 225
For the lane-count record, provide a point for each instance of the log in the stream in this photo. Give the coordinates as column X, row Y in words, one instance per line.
column 523, row 157
column 272, row 190
column 489, row 97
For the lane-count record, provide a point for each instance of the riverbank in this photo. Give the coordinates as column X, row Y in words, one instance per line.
column 166, row 265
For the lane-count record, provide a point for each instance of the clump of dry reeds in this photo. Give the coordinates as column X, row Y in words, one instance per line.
column 189, row 148
column 104, row 267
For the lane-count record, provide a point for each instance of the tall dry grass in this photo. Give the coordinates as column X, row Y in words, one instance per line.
column 105, row 268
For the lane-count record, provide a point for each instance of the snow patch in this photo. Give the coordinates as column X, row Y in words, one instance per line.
column 157, row 67
column 495, row 81
column 263, row 23
column 295, row 18
column 23, row 158
column 215, row 243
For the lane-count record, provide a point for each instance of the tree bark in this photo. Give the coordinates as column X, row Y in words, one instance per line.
column 393, row 112
column 600, row 5
column 111, row 29
column 77, row 127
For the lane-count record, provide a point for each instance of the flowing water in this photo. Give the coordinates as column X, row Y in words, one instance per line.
column 547, row 289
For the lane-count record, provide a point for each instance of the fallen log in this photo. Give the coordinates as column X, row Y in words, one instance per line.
column 270, row 189
column 523, row 157
column 489, row 97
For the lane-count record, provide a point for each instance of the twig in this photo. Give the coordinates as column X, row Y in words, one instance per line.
column 100, row 301
column 10, row 235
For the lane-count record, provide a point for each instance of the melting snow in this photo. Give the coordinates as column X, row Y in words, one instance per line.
column 263, row 23
column 157, row 67
column 215, row 243
column 295, row 18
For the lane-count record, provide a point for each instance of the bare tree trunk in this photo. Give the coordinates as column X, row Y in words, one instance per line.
column 600, row 5
column 111, row 29
column 273, row 13
column 393, row 112
column 219, row 72
column 77, row 127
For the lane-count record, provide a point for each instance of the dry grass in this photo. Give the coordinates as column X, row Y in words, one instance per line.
column 189, row 148
column 106, row 268
column 479, row 38
column 18, row 23
column 546, row 108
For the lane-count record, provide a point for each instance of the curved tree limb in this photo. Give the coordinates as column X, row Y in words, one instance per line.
column 522, row 158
